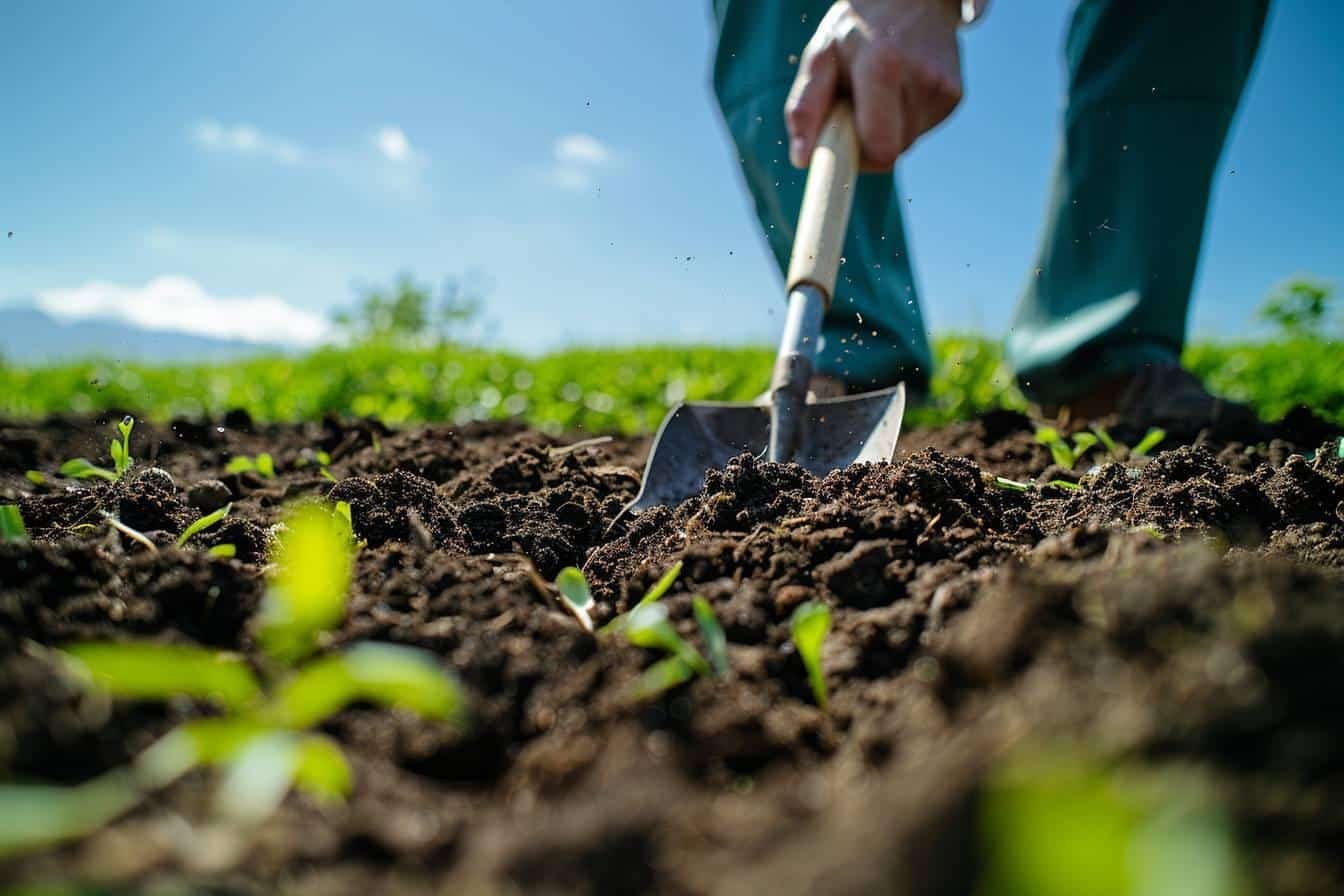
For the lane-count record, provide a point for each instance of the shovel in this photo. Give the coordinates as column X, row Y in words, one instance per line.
column 820, row 436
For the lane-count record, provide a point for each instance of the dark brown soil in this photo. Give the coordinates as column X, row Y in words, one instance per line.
column 1185, row 610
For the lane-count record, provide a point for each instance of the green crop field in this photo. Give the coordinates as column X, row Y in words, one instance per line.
column 594, row 389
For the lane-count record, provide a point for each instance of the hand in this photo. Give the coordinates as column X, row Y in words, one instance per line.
column 898, row 59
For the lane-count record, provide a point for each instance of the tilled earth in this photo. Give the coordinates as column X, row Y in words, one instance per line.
column 1187, row 609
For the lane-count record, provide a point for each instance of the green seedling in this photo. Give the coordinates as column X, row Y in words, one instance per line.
column 809, row 626
column 12, row 528
column 263, row 465
column 1106, row 441
column 308, row 589
column 577, row 597
column 1064, row 454
column 83, row 468
column 648, row 627
column 716, row 643
column 1151, row 440
column 1064, row 484
column 203, row 523
column 35, row 477
column 1011, row 485
column 1049, row 820
column 321, row 458
column 262, row 736
column 223, row 550
column 653, row 595
column 1340, row 452
column 121, row 450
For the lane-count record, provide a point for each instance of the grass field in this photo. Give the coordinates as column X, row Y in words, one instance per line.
column 601, row 390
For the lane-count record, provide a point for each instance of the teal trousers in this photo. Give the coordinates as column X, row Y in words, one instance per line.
column 1152, row 89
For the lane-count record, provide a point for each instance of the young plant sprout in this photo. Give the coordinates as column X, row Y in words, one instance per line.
column 653, row 595
column 1106, row 441
column 648, row 626
column 11, row 524
column 716, row 643
column 1151, row 440
column 1064, row 484
column 35, row 477
column 1011, row 485
column 1064, row 454
column 83, row 468
column 263, row 465
column 1340, row 451
column 203, row 523
column 809, row 626
column 223, row 550
column 321, row 458
column 573, row 588
column 263, row 734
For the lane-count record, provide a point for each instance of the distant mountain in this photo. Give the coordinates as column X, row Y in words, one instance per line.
column 29, row 335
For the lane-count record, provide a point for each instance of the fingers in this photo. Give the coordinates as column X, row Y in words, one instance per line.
column 882, row 106
column 810, row 99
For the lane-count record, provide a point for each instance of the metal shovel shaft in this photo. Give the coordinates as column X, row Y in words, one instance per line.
column 793, row 369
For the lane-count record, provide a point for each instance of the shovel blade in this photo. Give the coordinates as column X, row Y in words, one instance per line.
column 700, row 436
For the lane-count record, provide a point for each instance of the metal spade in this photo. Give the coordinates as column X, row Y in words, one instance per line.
column 822, row 435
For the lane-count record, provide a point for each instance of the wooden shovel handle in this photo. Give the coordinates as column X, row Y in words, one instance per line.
column 827, row 199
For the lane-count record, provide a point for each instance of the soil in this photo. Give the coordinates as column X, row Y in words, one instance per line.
column 1186, row 610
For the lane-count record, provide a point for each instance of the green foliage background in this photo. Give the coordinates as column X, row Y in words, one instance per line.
column 594, row 389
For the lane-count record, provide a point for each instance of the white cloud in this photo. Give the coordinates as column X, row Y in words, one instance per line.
column 577, row 158
column 181, row 304
column 244, row 139
column 582, row 149
column 392, row 143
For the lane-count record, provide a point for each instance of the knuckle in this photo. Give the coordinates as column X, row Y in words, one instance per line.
column 885, row 64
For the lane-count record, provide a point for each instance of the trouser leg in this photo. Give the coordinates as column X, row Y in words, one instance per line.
column 1153, row 87
column 874, row 334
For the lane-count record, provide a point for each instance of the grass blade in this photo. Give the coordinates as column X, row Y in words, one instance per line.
column 1011, row 485
column 143, row 671
column 203, row 523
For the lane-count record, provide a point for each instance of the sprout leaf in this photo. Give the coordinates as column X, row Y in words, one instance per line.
column 308, row 589
column 203, row 523
column 1150, row 441
column 146, row 671
column 716, row 644
column 82, row 468
column 386, row 674
column 11, row 524
column 809, row 626
column 573, row 588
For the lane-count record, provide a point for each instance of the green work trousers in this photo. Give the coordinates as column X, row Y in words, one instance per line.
column 1152, row 89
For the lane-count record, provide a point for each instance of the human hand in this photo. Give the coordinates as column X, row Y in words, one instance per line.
column 900, row 62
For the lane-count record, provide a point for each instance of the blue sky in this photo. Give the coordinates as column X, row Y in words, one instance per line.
column 169, row 159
